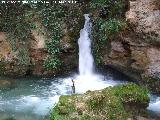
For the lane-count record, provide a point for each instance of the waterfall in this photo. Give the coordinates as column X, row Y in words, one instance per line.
column 87, row 79
column 85, row 55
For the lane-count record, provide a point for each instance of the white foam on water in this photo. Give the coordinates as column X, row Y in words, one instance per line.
column 155, row 105
column 92, row 82
column 85, row 83
column 30, row 104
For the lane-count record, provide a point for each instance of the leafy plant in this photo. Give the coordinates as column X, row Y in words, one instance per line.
column 106, row 23
column 17, row 20
column 108, row 8
column 13, row 22
column 54, row 115
column 103, row 30
column 51, row 18
column 52, row 62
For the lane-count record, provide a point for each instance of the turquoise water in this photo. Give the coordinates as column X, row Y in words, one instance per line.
column 33, row 98
column 27, row 99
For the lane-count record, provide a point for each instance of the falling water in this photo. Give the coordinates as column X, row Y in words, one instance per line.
column 87, row 79
column 85, row 56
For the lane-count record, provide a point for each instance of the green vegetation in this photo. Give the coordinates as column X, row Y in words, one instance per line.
column 108, row 8
column 107, row 104
column 106, row 23
column 129, row 94
column 18, row 30
column 2, row 68
column 103, row 31
column 152, row 83
column 20, row 19
column 51, row 18
column 64, row 107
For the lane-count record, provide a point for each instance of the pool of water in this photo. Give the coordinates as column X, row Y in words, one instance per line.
column 27, row 99
column 33, row 98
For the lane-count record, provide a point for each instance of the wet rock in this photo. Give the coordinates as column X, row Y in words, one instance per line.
column 140, row 59
column 66, row 40
column 4, row 84
column 152, row 83
column 38, row 36
column 117, row 50
column 15, row 70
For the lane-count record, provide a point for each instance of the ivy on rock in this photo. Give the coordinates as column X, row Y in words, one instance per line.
column 18, row 29
column 52, row 18
column 107, row 22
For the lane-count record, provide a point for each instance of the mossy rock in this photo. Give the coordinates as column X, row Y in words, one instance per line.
column 66, row 104
column 2, row 68
column 106, row 104
column 152, row 83
column 132, row 94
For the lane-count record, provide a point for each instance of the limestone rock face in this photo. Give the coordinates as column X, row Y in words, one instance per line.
column 5, row 48
column 154, row 66
column 136, row 50
column 38, row 37
column 8, row 58
column 145, row 15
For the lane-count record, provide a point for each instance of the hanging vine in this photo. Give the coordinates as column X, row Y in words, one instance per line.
column 108, row 22
column 13, row 22
column 51, row 18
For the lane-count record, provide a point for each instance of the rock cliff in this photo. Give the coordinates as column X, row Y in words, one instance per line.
column 135, row 50
column 36, row 50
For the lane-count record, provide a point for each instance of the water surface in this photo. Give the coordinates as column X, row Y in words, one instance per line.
column 32, row 98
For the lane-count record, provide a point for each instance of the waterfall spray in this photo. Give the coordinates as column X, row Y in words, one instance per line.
column 85, row 55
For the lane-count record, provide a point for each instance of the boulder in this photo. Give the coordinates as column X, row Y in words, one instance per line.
column 107, row 104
